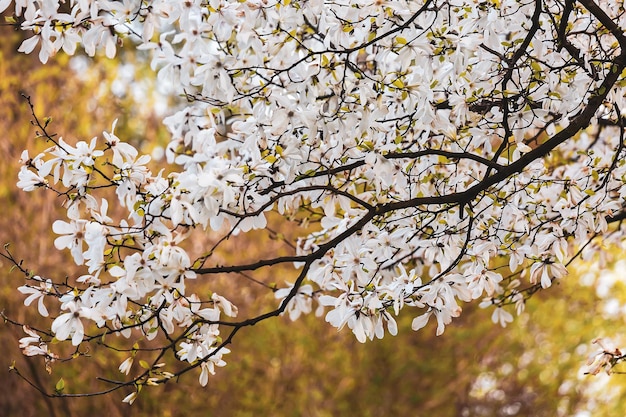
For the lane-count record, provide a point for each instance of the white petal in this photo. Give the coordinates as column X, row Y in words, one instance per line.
column 420, row 322
column 29, row 44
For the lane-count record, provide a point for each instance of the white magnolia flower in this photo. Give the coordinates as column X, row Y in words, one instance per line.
column 69, row 324
column 73, row 236
column 37, row 293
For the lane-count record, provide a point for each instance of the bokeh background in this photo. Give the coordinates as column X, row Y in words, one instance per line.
column 534, row 367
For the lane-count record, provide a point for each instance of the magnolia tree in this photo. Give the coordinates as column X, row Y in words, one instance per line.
column 426, row 154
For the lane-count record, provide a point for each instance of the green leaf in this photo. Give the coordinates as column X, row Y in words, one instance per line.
column 398, row 83
column 60, row 385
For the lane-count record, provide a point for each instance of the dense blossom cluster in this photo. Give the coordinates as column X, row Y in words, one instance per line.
column 433, row 152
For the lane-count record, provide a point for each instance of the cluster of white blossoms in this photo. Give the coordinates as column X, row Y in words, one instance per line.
column 433, row 152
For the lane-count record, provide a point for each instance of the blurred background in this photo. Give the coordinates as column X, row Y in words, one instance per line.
column 534, row 367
